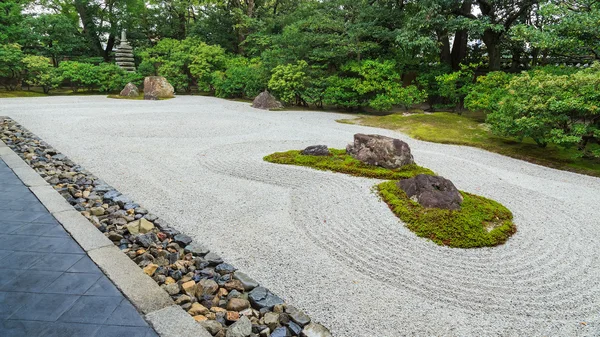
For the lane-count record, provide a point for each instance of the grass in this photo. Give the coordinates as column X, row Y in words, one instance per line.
column 449, row 128
column 481, row 222
column 339, row 161
column 12, row 94
column 138, row 98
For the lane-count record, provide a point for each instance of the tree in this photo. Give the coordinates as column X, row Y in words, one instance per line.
column 11, row 66
column 55, row 36
column 39, row 72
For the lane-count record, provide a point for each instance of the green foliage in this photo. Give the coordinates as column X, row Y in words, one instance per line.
column 488, row 91
column 55, row 36
column 40, row 73
column 456, row 86
column 288, row 82
column 184, row 63
column 480, row 222
column 79, row 75
column 558, row 109
column 112, row 78
column 11, row 66
column 242, row 78
column 339, row 161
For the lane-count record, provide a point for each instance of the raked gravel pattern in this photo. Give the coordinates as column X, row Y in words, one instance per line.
column 324, row 241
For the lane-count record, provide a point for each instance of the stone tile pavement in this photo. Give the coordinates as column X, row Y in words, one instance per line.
column 48, row 285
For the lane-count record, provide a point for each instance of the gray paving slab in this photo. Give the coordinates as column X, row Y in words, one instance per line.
column 48, row 285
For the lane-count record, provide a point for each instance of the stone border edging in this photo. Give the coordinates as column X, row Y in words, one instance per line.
column 145, row 294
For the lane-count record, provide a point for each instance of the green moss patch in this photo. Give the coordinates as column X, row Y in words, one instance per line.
column 339, row 161
column 481, row 222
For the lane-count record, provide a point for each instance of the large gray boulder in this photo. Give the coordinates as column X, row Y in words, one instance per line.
column 266, row 101
column 432, row 191
column 377, row 150
column 130, row 90
column 156, row 87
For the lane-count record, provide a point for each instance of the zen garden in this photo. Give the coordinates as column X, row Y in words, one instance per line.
column 311, row 168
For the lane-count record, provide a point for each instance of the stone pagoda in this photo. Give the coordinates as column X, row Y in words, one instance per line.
column 124, row 54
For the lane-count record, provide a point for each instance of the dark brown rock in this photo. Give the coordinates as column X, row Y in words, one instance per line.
column 156, row 87
column 266, row 101
column 130, row 90
column 316, row 150
column 377, row 150
column 432, row 192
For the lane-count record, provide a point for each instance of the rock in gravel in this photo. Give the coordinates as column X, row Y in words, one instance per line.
column 297, row 316
column 241, row 328
column 237, row 304
column 224, row 268
column 266, row 101
column 316, row 150
column 315, row 330
column 97, row 211
column 130, row 90
column 295, row 329
column 206, row 287
column 150, row 269
column 145, row 240
column 213, row 259
column 198, row 309
column 196, row 249
column 432, row 191
column 182, row 239
column 172, row 289
column 156, row 87
column 213, row 327
column 247, row 282
column 378, row 150
column 189, row 287
column 141, row 226
column 271, row 320
column 261, row 297
column 280, row 332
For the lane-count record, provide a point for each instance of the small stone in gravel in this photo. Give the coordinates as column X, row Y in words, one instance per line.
column 261, row 297
column 196, row 249
column 316, row 330
column 198, row 309
column 172, row 289
column 150, row 217
column 183, row 299
column 213, row 259
column 97, row 211
column 232, row 316
column 150, row 269
column 237, row 304
column 298, row 316
column 234, row 284
column 200, row 318
column 247, row 282
column 189, row 287
column 294, row 328
column 213, row 327
column 271, row 319
column 224, row 268
column 206, row 287
column 145, row 240
column 115, row 236
column 141, row 226
column 131, row 205
column 241, row 328
column 182, row 239
column 281, row 332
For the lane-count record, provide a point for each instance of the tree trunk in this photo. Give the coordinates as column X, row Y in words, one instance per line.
column 461, row 37
column 89, row 27
column 444, row 42
column 492, row 44
column 110, row 44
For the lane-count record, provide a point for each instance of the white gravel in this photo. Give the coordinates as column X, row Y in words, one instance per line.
column 324, row 241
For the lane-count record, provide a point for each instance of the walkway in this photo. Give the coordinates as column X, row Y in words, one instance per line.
column 48, row 285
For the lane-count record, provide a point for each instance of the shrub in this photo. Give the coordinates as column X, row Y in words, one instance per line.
column 11, row 66
column 552, row 109
column 78, row 74
column 39, row 72
column 456, row 85
column 289, row 81
column 112, row 78
column 488, row 91
column 241, row 78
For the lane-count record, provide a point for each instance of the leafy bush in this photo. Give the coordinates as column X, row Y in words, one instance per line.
column 557, row 109
column 341, row 92
column 78, row 74
column 39, row 72
column 488, row 91
column 241, row 78
column 112, row 78
column 11, row 66
column 456, row 86
column 288, row 82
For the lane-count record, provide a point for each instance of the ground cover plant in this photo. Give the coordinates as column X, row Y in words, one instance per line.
column 468, row 129
column 341, row 162
column 480, row 222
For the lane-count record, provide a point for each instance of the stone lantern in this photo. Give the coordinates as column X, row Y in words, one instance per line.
column 124, row 54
